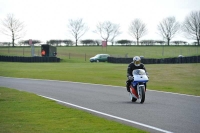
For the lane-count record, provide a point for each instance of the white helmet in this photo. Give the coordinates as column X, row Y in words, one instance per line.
column 137, row 60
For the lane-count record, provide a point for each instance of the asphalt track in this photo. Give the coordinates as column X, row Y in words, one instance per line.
column 161, row 112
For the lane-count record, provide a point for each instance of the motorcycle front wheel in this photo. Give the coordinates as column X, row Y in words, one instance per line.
column 142, row 94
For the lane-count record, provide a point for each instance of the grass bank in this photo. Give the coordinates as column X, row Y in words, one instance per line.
column 24, row 112
column 83, row 53
column 179, row 78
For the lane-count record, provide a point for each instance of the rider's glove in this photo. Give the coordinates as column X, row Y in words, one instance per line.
column 147, row 74
column 130, row 77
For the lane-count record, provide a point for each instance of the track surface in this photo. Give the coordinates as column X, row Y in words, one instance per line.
column 161, row 112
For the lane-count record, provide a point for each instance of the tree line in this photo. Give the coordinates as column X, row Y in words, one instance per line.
column 90, row 42
column 108, row 31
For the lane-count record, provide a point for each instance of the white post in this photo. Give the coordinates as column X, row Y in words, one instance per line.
column 32, row 50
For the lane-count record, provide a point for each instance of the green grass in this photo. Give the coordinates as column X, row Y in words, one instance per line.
column 22, row 112
column 83, row 53
column 179, row 78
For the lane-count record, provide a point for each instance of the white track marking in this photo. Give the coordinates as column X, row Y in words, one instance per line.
column 112, row 116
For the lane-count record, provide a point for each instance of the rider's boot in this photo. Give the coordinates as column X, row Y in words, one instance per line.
column 127, row 86
column 128, row 89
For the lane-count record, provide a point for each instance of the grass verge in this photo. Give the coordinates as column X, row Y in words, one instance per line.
column 179, row 78
column 83, row 53
column 22, row 112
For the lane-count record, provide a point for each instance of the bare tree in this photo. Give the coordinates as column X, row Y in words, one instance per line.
column 191, row 26
column 12, row 27
column 77, row 28
column 137, row 29
column 116, row 32
column 168, row 28
column 108, row 31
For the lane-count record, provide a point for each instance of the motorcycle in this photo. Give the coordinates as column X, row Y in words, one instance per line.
column 138, row 85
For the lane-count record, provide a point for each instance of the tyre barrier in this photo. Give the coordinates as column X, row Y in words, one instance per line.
column 28, row 59
column 175, row 60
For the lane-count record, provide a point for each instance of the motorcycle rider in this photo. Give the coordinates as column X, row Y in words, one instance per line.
column 136, row 64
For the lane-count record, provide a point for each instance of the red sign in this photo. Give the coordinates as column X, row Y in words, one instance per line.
column 104, row 43
column 30, row 41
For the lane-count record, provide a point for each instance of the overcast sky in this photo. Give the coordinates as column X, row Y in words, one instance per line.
column 48, row 19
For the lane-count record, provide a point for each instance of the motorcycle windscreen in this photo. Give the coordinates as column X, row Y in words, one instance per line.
column 140, row 75
column 139, row 72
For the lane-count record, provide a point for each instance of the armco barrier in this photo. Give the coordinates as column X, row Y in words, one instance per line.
column 28, row 59
column 175, row 60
